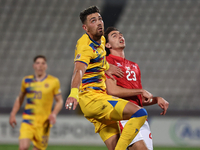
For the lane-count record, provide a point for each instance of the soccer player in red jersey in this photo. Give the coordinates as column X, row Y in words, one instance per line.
column 129, row 87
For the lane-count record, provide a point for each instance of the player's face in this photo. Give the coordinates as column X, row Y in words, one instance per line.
column 94, row 25
column 116, row 40
column 40, row 66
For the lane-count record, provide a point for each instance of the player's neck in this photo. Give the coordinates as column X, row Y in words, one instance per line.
column 95, row 38
column 119, row 53
column 39, row 77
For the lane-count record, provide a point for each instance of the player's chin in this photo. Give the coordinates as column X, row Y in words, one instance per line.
column 100, row 32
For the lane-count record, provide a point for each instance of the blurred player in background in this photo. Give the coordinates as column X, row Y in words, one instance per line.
column 40, row 90
column 129, row 87
column 89, row 90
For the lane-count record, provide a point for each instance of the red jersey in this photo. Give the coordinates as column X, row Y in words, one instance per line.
column 132, row 76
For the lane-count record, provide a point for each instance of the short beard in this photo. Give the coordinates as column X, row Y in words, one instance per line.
column 98, row 35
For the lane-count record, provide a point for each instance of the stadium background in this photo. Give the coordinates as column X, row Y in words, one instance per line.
column 162, row 36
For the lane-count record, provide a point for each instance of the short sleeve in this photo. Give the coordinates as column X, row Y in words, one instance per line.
column 83, row 54
column 57, row 89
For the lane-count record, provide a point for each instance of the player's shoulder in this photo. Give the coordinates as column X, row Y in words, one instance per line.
column 109, row 58
column 51, row 77
column 133, row 63
column 83, row 44
column 84, row 41
column 28, row 77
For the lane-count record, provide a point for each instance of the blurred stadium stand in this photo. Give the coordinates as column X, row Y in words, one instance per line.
column 29, row 28
column 161, row 36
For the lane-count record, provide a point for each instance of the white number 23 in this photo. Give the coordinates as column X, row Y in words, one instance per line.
column 131, row 75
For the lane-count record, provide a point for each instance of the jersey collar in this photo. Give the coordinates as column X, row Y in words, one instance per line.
column 41, row 79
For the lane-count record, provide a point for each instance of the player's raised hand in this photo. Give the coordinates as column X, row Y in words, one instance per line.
column 114, row 70
column 52, row 118
column 12, row 120
column 163, row 105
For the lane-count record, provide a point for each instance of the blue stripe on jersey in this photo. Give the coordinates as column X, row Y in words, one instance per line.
column 113, row 103
column 97, row 59
column 95, row 88
column 82, row 62
column 92, row 79
column 93, row 46
column 30, row 101
column 27, row 121
column 140, row 113
column 29, row 80
column 28, row 111
column 95, row 69
column 29, row 90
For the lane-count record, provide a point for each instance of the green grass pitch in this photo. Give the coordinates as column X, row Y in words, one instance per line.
column 59, row 147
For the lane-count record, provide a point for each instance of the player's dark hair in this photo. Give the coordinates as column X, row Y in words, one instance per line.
column 108, row 30
column 39, row 56
column 88, row 11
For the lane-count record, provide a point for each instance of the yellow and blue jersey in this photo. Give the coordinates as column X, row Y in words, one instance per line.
column 39, row 96
column 93, row 55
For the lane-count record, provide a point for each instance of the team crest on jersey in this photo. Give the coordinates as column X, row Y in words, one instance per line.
column 78, row 56
column 46, row 85
column 128, row 68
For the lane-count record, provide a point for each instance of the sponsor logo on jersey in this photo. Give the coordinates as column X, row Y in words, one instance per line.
column 128, row 68
column 119, row 65
column 135, row 66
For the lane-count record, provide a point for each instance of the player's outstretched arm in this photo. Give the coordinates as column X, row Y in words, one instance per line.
column 115, row 90
column 162, row 103
column 18, row 102
column 79, row 70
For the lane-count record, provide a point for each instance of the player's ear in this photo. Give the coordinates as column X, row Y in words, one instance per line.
column 84, row 27
column 108, row 45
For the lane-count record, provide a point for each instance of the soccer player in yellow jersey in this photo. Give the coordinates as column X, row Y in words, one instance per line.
column 88, row 87
column 40, row 90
